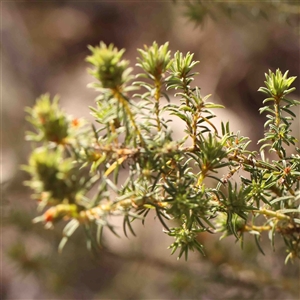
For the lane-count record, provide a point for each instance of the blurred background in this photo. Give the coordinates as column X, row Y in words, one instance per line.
column 43, row 48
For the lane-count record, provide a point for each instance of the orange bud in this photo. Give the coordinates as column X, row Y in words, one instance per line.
column 49, row 214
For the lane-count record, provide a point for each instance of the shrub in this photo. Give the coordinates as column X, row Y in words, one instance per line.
column 136, row 165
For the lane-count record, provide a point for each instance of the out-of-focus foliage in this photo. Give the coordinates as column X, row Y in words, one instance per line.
column 280, row 11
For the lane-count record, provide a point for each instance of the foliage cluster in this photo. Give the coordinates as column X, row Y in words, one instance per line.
column 129, row 162
column 283, row 11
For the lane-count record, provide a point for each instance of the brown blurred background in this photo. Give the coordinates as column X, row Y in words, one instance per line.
column 44, row 45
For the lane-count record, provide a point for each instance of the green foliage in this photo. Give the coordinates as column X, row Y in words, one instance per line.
column 277, row 88
column 281, row 10
column 109, row 68
column 136, row 165
column 51, row 123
